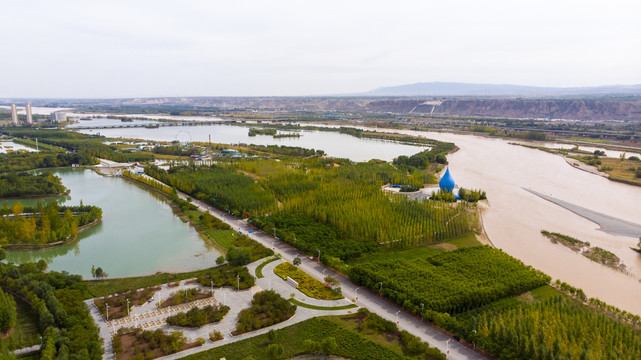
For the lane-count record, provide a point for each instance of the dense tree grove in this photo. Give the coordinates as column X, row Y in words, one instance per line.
column 228, row 276
column 29, row 161
column 44, row 224
column 197, row 317
column 68, row 329
column 26, row 184
column 318, row 204
column 222, row 187
column 451, row 282
column 268, row 308
column 436, row 154
column 8, row 312
column 556, row 328
column 286, row 150
column 147, row 344
column 176, row 150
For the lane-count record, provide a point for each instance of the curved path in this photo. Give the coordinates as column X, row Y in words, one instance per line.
column 366, row 298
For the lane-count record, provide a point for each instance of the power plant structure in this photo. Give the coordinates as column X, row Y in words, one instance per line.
column 56, row 116
column 14, row 115
column 27, row 109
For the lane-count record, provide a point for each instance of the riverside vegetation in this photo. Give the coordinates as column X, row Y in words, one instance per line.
column 31, row 185
column 41, row 225
column 595, row 253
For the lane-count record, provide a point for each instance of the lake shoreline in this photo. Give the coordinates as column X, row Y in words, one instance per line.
column 36, row 247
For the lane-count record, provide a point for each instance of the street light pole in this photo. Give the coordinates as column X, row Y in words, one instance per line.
column 238, row 278
column 107, row 311
column 212, row 287
column 318, row 255
column 422, row 306
column 380, row 289
column 127, row 307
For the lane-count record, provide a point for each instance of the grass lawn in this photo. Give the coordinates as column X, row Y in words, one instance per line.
column 26, row 329
column 621, row 170
column 118, row 285
column 306, row 284
column 350, row 344
column 222, row 238
column 420, row 252
column 328, row 308
column 259, row 268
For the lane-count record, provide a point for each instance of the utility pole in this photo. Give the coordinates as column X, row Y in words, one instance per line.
column 380, row 289
column 107, row 311
column 238, row 278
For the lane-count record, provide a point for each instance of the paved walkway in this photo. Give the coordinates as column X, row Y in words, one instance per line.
column 147, row 316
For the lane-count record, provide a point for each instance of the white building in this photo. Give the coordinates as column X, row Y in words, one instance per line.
column 14, row 115
column 58, row 116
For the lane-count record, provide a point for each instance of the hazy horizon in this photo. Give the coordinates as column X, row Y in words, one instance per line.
column 117, row 49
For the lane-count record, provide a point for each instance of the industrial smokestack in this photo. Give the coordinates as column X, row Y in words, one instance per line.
column 14, row 115
column 29, row 117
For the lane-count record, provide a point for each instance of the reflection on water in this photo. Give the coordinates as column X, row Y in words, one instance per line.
column 138, row 234
column 333, row 143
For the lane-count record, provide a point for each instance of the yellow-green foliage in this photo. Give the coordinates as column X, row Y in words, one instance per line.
column 306, row 284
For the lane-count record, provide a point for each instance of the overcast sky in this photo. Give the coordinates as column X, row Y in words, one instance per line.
column 235, row 48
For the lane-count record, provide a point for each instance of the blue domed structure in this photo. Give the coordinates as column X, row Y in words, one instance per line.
column 447, row 181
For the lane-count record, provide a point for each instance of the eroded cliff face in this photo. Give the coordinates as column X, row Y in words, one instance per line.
column 517, row 108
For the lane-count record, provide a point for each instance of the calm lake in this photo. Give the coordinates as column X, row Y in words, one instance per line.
column 138, row 235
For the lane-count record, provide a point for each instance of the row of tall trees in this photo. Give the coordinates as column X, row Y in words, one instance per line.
column 451, row 282
column 68, row 329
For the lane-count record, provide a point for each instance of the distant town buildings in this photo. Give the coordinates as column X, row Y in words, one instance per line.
column 14, row 115
column 58, row 116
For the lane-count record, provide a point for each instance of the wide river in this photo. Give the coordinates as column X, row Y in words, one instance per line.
column 515, row 217
column 138, row 235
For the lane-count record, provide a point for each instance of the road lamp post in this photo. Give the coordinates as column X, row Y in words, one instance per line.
column 380, row 289
column 212, row 287
column 107, row 311
column 422, row 306
column 127, row 307
column 238, row 279
column 318, row 255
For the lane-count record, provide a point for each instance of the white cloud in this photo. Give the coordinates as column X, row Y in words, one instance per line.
column 171, row 48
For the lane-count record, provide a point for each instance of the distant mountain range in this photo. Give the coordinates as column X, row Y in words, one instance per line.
column 452, row 89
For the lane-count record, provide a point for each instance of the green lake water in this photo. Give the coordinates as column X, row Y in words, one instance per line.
column 139, row 233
